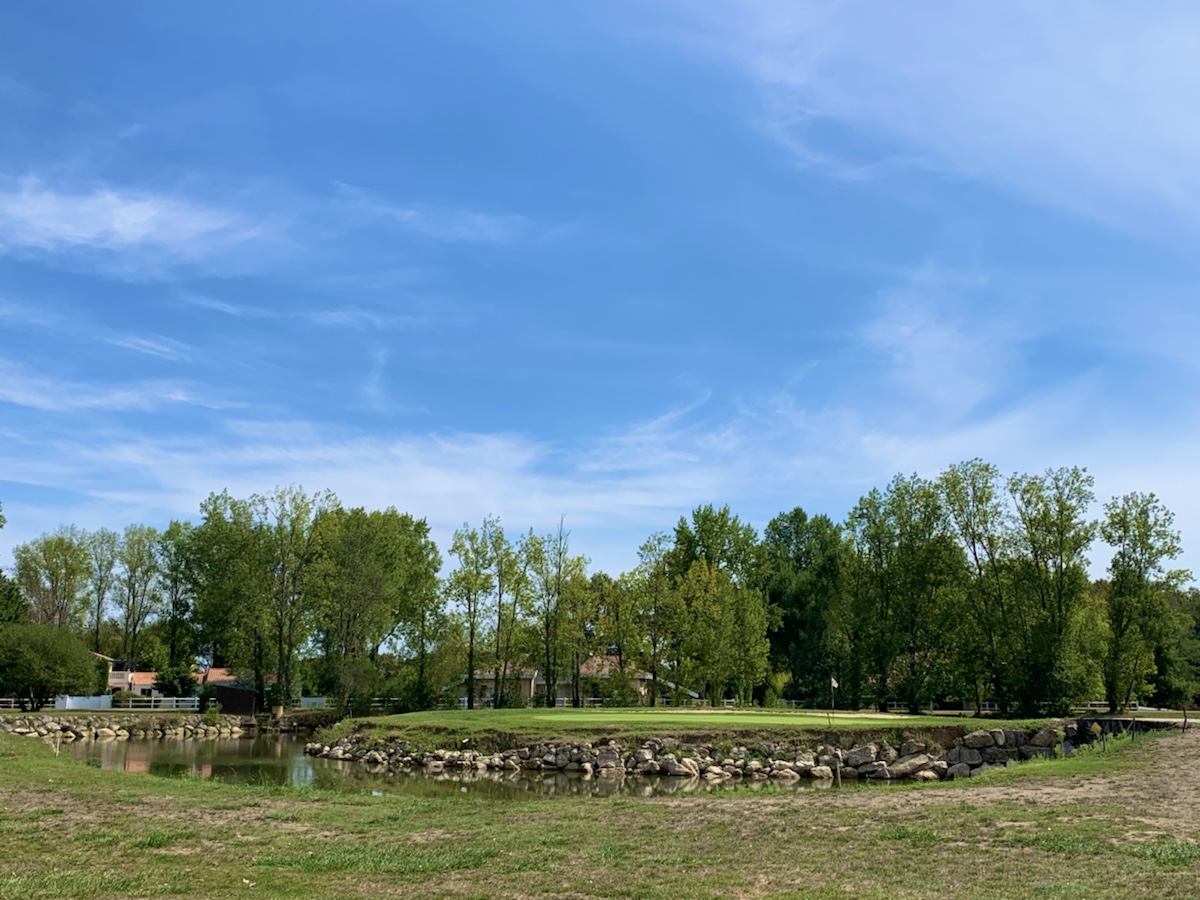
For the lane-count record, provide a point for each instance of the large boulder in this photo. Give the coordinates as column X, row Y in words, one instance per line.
column 609, row 758
column 822, row 773
column 1046, row 737
column 1000, row 754
column 977, row 740
column 964, row 755
column 908, row 766
column 912, row 748
column 861, row 755
column 874, row 770
column 959, row 770
column 680, row 768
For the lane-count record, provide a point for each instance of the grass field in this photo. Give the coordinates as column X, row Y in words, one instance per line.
column 1116, row 824
column 504, row 728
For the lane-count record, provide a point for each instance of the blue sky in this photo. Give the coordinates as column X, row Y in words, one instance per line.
column 609, row 261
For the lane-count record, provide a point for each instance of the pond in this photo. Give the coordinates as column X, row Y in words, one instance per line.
column 280, row 760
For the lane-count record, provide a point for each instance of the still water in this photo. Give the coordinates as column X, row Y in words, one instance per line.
column 280, row 760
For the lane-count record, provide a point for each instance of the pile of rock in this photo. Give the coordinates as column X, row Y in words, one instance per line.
column 913, row 759
column 982, row 750
column 107, row 727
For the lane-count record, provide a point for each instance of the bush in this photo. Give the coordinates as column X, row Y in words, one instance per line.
column 212, row 713
column 359, row 705
column 176, row 681
column 101, row 685
column 208, row 697
column 274, row 695
column 38, row 662
column 620, row 690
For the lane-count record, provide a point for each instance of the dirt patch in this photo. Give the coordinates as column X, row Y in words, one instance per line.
column 1162, row 795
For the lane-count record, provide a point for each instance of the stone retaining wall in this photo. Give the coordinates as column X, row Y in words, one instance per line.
column 104, row 726
column 911, row 759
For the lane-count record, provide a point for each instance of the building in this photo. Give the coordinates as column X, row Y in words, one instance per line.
column 593, row 672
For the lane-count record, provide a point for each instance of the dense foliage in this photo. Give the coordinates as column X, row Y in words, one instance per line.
column 39, row 662
column 967, row 588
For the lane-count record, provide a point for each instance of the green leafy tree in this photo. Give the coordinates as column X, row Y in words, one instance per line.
column 719, row 538
column 376, row 580
column 40, row 661
column 511, row 584
column 1141, row 532
column 1029, row 625
column 138, row 596
column 579, row 611
column 177, row 581
column 803, row 563
column 1054, row 624
column 102, row 545
column 660, row 612
column 232, row 591
column 14, row 607
column 176, row 680
column 52, row 572
column 620, row 634
column 285, row 519
column 906, row 578
column 468, row 587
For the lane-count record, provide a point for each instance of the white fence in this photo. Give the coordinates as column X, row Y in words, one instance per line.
column 186, row 703
column 64, row 701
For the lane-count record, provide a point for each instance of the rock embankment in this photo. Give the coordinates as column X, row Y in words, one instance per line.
column 103, row 727
column 909, row 759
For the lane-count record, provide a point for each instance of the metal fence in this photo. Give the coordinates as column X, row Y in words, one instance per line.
column 65, row 701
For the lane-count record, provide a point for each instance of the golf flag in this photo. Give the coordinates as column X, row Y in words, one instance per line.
column 833, row 682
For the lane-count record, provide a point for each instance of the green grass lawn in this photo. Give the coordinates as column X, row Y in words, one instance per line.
column 1114, row 824
column 504, row 728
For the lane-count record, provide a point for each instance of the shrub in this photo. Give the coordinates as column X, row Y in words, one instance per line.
column 208, row 696
column 274, row 695
column 212, row 713
column 176, row 681
column 38, row 662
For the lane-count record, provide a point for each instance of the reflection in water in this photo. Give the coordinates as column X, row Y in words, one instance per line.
column 280, row 760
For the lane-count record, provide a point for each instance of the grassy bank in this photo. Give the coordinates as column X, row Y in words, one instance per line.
column 1113, row 824
column 489, row 729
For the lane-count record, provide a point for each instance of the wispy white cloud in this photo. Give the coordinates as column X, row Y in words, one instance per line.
column 36, row 216
column 942, row 345
column 766, row 455
column 21, row 387
column 158, row 346
column 439, row 223
column 1081, row 105
column 358, row 318
column 79, row 326
column 363, row 319
column 229, row 309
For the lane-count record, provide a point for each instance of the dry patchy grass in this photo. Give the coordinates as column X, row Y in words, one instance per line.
column 1117, row 825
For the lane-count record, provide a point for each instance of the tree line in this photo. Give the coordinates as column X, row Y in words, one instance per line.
column 971, row 586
